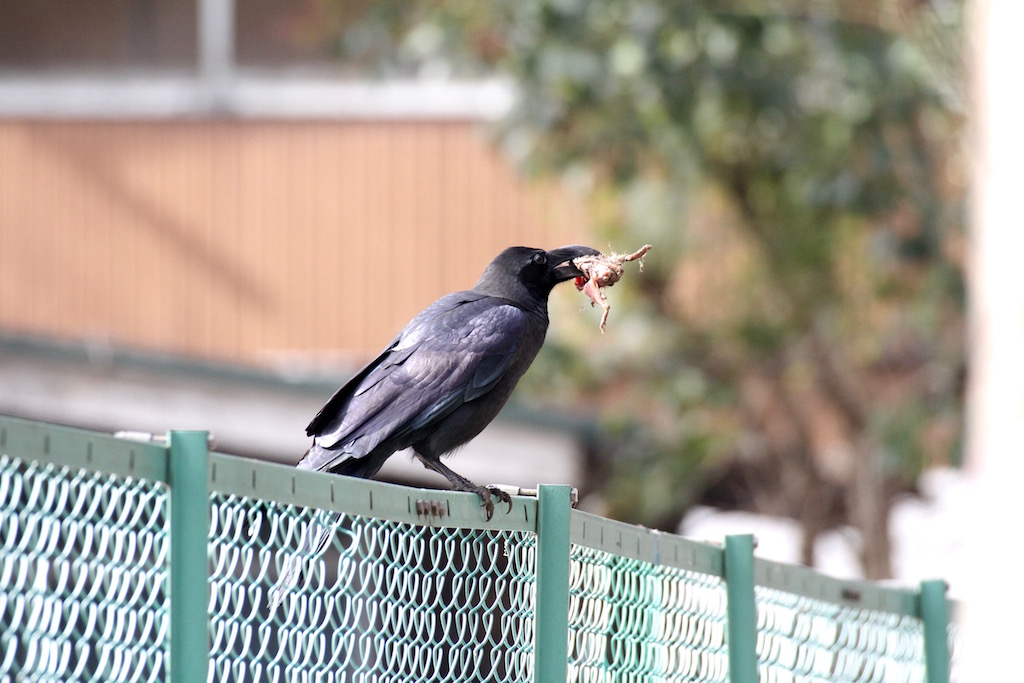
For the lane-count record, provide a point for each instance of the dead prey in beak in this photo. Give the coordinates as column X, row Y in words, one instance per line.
column 604, row 270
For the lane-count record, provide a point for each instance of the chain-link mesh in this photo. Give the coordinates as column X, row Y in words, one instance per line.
column 83, row 575
column 386, row 602
column 805, row 640
column 631, row 620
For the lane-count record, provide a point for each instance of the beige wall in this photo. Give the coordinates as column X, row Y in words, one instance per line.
column 240, row 241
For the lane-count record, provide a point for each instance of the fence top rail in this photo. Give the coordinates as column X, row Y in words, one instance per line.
column 426, row 507
column 861, row 595
column 648, row 545
column 79, row 448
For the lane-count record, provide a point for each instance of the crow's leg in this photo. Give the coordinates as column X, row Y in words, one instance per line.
column 460, row 483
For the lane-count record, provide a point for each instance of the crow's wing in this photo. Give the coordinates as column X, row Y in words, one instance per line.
column 455, row 351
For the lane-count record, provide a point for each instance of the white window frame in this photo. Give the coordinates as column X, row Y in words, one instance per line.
column 220, row 88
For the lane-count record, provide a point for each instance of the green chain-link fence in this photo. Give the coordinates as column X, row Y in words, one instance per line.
column 130, row 561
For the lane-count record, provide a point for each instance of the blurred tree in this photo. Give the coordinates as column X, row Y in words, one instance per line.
column 795, row 343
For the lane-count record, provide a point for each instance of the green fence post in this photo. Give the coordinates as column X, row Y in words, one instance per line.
column 935, row 617
column 551, row 614
column 741, row 608
column 189, row 573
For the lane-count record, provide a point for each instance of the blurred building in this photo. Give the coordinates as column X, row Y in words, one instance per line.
column 206, row 221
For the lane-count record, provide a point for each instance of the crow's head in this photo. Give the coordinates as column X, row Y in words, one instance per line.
column 526, row 275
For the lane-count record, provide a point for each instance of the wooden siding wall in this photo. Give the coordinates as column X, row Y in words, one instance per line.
column 241, row 241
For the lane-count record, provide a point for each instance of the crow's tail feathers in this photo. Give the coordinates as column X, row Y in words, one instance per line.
column 315, row 539
column 318, row 533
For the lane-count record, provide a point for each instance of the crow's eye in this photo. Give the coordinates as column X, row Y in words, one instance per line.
column 540, row 258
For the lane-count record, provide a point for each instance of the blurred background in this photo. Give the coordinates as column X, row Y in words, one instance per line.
column 212, row 212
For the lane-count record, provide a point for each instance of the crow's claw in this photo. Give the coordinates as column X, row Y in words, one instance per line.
column 502, row 496
column 486, row 493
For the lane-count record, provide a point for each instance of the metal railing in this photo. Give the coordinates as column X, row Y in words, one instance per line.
column 129, row 561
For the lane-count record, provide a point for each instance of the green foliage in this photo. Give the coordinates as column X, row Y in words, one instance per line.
column 810, row 157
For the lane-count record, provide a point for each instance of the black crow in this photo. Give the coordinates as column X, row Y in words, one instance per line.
column 439, row 382
column 447, row 374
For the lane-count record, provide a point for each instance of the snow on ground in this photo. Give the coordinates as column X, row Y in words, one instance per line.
column 929, row 534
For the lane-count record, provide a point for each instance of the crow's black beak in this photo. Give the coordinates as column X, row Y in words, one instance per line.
column 563, row 257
